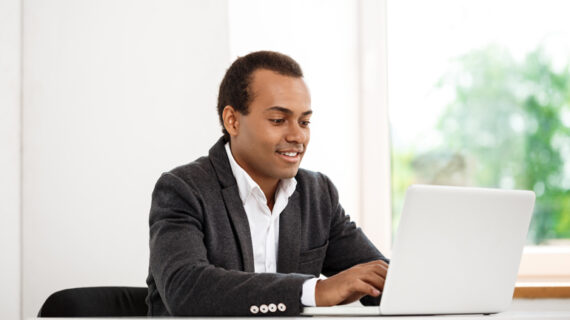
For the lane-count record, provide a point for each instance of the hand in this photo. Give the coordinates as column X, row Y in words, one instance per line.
column 352, row 284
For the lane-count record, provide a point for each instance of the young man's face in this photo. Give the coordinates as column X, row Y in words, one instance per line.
column 272, row 138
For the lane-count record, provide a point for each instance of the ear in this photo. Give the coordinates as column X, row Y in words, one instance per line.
column 231, row 120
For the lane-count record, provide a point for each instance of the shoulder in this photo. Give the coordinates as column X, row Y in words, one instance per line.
column 313, row 183
column 196, row 175
column 312, row 178
column 195, row 169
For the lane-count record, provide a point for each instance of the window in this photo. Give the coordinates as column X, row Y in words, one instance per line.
column 479, row 95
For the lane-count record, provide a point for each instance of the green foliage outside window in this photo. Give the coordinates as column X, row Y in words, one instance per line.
column 509, row 127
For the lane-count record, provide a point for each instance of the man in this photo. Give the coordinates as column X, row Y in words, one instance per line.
column 244, row 231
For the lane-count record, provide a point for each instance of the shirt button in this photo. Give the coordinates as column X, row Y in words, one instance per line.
column 254, row 309
column 281, row 307
column 263, row 308
column 272, row 307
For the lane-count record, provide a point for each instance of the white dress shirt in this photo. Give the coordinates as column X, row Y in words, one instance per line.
column 264, row 223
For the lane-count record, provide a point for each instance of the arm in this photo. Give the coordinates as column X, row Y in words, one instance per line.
column 188, row 284
column 356, row 269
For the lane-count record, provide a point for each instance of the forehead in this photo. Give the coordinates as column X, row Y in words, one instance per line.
column 269, row 88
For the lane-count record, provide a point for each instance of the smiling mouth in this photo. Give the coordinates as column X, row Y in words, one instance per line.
column 289, row 154
column 292, row 157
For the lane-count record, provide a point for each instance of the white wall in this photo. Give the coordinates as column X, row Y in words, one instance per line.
column 10, row 159
column 115, row 92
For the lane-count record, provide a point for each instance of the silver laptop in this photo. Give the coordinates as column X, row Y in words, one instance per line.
column 457, row 251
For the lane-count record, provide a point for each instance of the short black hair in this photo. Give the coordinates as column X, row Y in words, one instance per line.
column 234, row 89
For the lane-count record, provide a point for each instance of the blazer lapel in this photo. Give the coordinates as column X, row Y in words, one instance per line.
column 289, row 220
column 234, row 207
column 241, row 225
column 289, row 236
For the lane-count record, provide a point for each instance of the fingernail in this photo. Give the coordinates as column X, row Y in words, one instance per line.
column 376, row 292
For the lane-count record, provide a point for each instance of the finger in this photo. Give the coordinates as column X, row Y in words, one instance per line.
column 380, row 270
column 380, row 263
column 365, row 288
column 373, row 271
column 374, row 280
column 377, row 268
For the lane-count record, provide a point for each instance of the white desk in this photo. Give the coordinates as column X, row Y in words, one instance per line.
column 524, row 309
column 546, row 315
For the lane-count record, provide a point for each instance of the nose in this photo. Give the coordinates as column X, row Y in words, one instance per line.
column 296, row 133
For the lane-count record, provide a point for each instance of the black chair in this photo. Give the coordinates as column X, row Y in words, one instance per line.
column 96, row 302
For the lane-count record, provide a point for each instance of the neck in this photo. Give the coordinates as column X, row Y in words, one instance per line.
column 267, row 185
column 269, row 188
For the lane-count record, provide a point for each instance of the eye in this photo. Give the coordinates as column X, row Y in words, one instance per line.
column 277, row 121
column 305, row 123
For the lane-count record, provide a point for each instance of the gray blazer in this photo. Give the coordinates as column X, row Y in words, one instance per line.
column 201, row 256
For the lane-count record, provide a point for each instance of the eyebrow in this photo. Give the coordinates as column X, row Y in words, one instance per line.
column 287, row 111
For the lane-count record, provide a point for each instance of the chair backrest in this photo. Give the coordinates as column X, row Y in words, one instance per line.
column 96, row 302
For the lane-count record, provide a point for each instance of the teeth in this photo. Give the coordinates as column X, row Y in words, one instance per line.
column 289, row 154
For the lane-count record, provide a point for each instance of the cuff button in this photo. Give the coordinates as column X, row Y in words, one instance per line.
column 254, row 309
column 281, row 307
column 263, row 308
column 272, row 307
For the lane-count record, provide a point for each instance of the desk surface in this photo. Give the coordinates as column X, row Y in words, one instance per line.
column 527, row 309
column 554, row 315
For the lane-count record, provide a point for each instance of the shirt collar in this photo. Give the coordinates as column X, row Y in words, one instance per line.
column 246, row 185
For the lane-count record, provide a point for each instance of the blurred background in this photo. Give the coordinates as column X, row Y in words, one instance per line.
column 98, row 98
column 486, row 103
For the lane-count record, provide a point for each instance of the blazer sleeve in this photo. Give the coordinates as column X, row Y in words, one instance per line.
column 348, row 245
column 186, row 281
